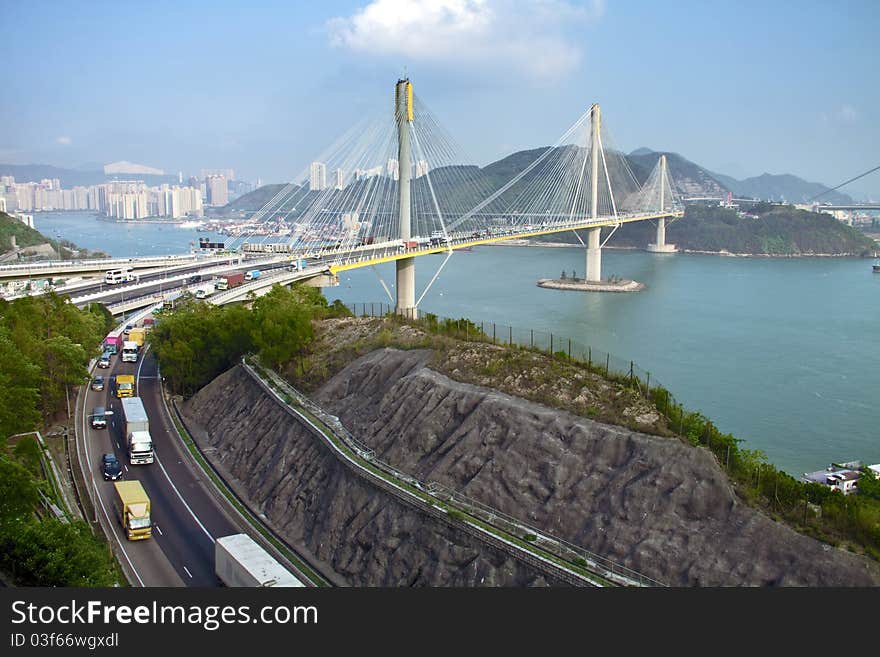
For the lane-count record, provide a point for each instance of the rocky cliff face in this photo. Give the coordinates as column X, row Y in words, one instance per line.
column 654, row 504
column 359, row 533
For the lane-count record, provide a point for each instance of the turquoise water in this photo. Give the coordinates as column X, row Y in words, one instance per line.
column 783, row 353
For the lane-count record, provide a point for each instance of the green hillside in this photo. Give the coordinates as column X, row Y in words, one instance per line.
column 773, row 230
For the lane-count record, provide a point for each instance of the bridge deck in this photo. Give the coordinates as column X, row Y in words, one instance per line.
column 491, row 239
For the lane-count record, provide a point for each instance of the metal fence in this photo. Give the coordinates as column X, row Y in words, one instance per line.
column 559, row 345
column 515, row 527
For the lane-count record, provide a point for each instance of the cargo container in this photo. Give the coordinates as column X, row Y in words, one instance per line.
column 133, row 509
column 136, row 429
column 252, row 275
column 230, row 280
column 240, row 561
column 112, row 344
column 137, row 335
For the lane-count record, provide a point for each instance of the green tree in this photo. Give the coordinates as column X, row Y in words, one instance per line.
column 19, row 389
column 282, row 325
column 869, row 485
column 18, row 491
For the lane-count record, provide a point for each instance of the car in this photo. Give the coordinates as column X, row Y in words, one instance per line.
column 195, row 278
column 201, row 294
column 99, row 417
column 127, row 329
column 111, row 468
column 98, row 383
column 104, row 360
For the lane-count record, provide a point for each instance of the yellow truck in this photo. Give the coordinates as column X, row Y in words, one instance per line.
column 137, row 335
column 124, row 385
column 133, row 509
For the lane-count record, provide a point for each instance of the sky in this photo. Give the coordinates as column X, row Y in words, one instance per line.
column 740, row 87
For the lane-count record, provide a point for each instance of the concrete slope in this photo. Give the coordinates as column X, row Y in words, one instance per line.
column 658, row 506
column 334, row 517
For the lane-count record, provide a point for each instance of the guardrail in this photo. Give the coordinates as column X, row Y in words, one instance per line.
column 569, row 552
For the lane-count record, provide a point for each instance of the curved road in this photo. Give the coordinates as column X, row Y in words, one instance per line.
column 186, row 519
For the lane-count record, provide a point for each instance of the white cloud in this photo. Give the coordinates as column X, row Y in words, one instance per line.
column 525, row 38
column 64, row 141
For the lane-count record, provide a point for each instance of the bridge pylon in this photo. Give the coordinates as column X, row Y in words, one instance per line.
column 594, row 247
column 406, row 267
column 660, row 246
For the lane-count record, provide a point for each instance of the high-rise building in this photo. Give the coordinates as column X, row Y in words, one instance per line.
column 317, row 176
column 217, row 191
column 339, row 174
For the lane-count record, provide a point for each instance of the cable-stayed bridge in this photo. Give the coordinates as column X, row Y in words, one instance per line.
column 397, row 190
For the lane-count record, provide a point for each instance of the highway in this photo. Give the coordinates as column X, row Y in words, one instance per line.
column 186, row 519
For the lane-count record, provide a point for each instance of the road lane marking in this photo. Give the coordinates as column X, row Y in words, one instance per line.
column 187, row 572
column 110, row 523
column 158, row 530
column 165, row 472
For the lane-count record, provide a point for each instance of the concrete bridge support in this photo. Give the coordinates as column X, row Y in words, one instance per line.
column 594, row 255
column 660, row 246
column 594, row 246
column 406, row 268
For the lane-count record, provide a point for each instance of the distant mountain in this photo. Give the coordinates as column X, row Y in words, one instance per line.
column 73, row 177
column 784, row 187
column 690, row 179
column 642, row 151
column 252, row 201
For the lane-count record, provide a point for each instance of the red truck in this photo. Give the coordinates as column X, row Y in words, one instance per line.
column 230, row 280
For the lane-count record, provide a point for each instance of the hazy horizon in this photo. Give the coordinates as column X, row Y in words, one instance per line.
column 740, row 90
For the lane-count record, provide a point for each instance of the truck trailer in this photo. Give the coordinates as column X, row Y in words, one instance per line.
column 133, row 509
column 230, row 280
column 240, row 561
column 136, row 429
column 124, row 385
column 138, row 335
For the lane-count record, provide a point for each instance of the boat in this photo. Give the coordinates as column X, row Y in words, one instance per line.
column 877, row 267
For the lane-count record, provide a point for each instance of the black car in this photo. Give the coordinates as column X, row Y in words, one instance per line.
column 111, row 467
column 104, row 360
column 98, row 383
column 195, row 278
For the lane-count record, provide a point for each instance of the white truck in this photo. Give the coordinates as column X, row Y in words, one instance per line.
column 136, row 429
column 240, row 562
column 129, row 351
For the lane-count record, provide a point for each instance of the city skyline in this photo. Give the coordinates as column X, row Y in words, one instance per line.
column 501, row 76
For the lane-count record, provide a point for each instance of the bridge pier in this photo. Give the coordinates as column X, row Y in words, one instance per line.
column 594, row 255
column 594, row 246
column 660, row 246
